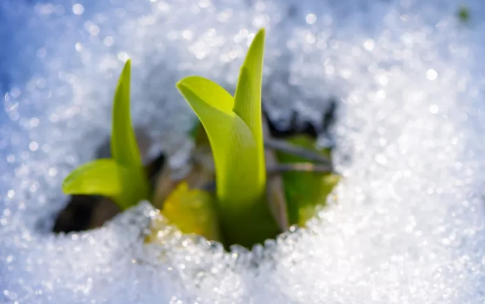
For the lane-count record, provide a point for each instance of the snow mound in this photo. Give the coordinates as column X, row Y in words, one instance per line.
column 406, row 224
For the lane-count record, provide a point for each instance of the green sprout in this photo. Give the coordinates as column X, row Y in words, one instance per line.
column 234, row 128
column 248, row 206
column 122, row 177
column 463, row 14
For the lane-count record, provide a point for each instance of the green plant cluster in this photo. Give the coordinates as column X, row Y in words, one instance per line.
column 242, row 210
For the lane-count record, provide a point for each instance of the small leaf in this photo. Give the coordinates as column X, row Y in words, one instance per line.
column 305, row 191
column 325, row 185
column 100, row 177
column 121, row 178
column 192, row 211
column 248, row 96
column 464, row 14
column 124, row 147
column 123, row 141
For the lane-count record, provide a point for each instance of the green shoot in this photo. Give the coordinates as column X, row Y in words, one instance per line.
column 120, row 178
column 464, row 14
column 247, row 100
column 247, row 208
column 234, row 128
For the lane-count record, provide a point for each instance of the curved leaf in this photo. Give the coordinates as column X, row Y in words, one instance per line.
column 248, row 96
column 234, row 128
column 124, row 148
column 121, row 178
column 231, row 140
column 100, row 177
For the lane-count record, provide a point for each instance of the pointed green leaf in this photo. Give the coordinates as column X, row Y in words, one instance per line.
column 231, row 140
column 239, row 190
column 99, row 177
column 124, row 148
column 121, row 178
column 248, row 96
column 234, row 129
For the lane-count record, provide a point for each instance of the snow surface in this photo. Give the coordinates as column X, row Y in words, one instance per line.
column 407, row 226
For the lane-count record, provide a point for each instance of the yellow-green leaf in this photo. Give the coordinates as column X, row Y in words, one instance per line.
column 121, row 178
column 234, row 129
column 124, row 148
column 305, row 191
column 99, row 177
column 248, row 97
column 192, row 211
column 232, row 143
column 307, row 200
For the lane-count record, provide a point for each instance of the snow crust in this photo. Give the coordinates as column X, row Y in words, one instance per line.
column 406, row 224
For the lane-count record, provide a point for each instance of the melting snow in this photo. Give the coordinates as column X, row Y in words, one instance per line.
column 408, row 222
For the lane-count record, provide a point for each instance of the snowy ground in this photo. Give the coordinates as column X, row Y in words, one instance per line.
column 409, row 222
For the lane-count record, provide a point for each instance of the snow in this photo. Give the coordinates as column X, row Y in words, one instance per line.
column 406, row 224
